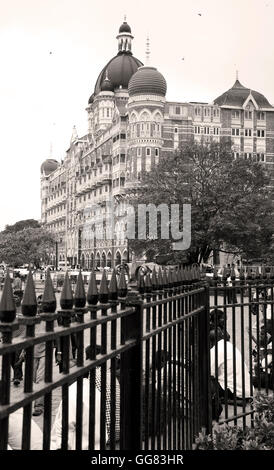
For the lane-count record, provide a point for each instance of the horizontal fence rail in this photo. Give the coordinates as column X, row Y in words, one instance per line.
column 129, row 372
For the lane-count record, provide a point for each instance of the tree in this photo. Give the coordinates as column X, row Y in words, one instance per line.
column 231, row 204
column 30, row 245
column 21, row 225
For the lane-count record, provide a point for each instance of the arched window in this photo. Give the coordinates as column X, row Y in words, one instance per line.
column 104, row 262
column 109, row 259
column 98, row 260
column 118, row 258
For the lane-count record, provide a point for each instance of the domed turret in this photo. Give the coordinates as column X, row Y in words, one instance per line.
column 120, row 68
column 147, row 80
column 125, row 28
column 91, row 99
column 48, row 166
column 107, row 84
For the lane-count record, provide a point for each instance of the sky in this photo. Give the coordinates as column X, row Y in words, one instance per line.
column 52, row 51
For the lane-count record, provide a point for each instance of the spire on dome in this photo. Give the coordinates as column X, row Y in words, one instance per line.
column 237, row 83
column 147, row 51
column 74, row 135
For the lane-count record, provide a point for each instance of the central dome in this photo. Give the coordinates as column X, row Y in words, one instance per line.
column 119, row 70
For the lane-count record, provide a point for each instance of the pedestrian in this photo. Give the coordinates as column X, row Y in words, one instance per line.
column 17, row 288
column 18, row 356
column 225, row 367
column 56, row 437
column 15, row 431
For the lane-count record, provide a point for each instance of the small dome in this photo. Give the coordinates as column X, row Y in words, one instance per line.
column 48, row 166
column 147, row 80
column 237, row 95
column 91, row 99
column 125, row 28
column 107, row 85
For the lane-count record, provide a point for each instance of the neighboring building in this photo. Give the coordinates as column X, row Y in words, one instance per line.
column 130, row 126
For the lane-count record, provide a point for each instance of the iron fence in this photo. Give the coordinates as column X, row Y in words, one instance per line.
column 241, row 324
column 141, row 375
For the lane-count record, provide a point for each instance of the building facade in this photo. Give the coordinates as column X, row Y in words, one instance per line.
column 131, row 126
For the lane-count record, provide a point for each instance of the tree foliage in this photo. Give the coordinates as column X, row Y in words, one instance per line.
column 230, row 199
column 28, row 245
column 21, row 225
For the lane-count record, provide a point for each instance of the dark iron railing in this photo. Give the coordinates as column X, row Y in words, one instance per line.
column 148, row 347
column 244, row 358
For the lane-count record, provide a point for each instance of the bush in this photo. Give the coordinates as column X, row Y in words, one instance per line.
column 226, row 437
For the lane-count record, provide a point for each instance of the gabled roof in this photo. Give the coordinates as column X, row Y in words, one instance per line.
column 238, row 94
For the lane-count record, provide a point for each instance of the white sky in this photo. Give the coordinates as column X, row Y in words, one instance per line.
column 43, row 95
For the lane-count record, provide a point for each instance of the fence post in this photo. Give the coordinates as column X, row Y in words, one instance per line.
column 131, row 418
column 204, row 358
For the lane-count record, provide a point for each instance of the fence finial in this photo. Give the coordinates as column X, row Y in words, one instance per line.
column 165, row 279
column 7, row 304
column 242, row 274
column 122, row 285
column 48, row 299
column 141, row 283
column 66, row 300
column 154, row 281
column 103, row 292
column 80, row 295
column 92, row 295
column 113, row 288
column 148, row 285
column 169, row 278
column 160, row 279
column 175, row 278
column 29, row 302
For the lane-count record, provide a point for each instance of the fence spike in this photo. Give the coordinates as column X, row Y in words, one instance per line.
column 113, row 288
column 29, row 302
column 249, row 273
column 7, row 304
column 141, row 283
column 154, row 281
column 103, row 292
column 80, row 295
column 257, row 274
column 187, row 275
column 66, row 299
column 92, row 294
column 224, row 273
column 122, row 285
column 48, row 299
column 176, row 278
column 169, row 279
column 242, row 274
column 148, row 284
column 160, row 279
column 233, row 276
column 165, row 279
